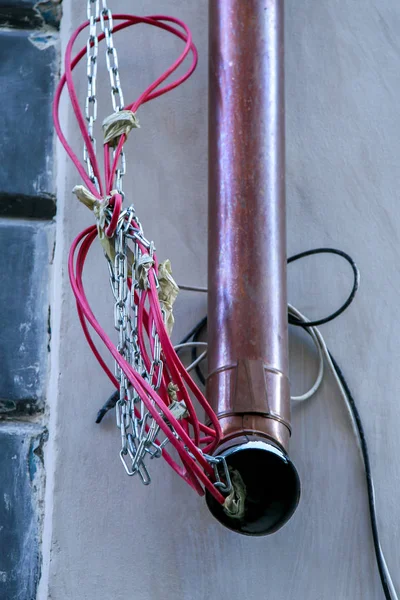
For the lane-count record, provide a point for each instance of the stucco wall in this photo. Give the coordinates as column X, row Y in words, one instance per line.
column 108, row 537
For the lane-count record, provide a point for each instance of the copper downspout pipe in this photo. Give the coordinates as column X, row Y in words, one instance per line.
column 248, row 384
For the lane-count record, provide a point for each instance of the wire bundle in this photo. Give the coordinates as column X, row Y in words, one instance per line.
column 190, row 437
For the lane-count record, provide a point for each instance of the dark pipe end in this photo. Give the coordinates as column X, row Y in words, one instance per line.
column 272, row 488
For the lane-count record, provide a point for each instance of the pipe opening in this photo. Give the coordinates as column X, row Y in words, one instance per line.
column 271, row 488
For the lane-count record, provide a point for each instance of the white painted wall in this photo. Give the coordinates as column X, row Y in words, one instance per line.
column 106, row 536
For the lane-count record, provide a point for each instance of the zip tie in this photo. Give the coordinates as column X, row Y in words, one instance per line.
column 117, row 124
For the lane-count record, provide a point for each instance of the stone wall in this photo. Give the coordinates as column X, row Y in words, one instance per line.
column 29, row 62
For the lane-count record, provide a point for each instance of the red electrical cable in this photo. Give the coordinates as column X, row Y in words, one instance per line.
column 194, row 438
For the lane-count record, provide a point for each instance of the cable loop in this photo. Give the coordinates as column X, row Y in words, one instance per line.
column 145, row 360
column 356, row 273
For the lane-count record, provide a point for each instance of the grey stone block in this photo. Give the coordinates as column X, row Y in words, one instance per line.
column 27, row 81
column 30, row 13
column 25, row 250
column 21, row 498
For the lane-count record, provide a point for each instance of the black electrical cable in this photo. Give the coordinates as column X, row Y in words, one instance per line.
column 108, row 405
column 292, row 319
column 193, row 332
column 368, row 476
column 346, row 304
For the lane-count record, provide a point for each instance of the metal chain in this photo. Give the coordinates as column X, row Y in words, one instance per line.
column 106, row 21
column 117, row 97
column 141, row 437
column 107, row 25
column 93, row 11
column 137, row 426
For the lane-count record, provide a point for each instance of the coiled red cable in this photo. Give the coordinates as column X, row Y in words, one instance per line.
column 194, row 439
